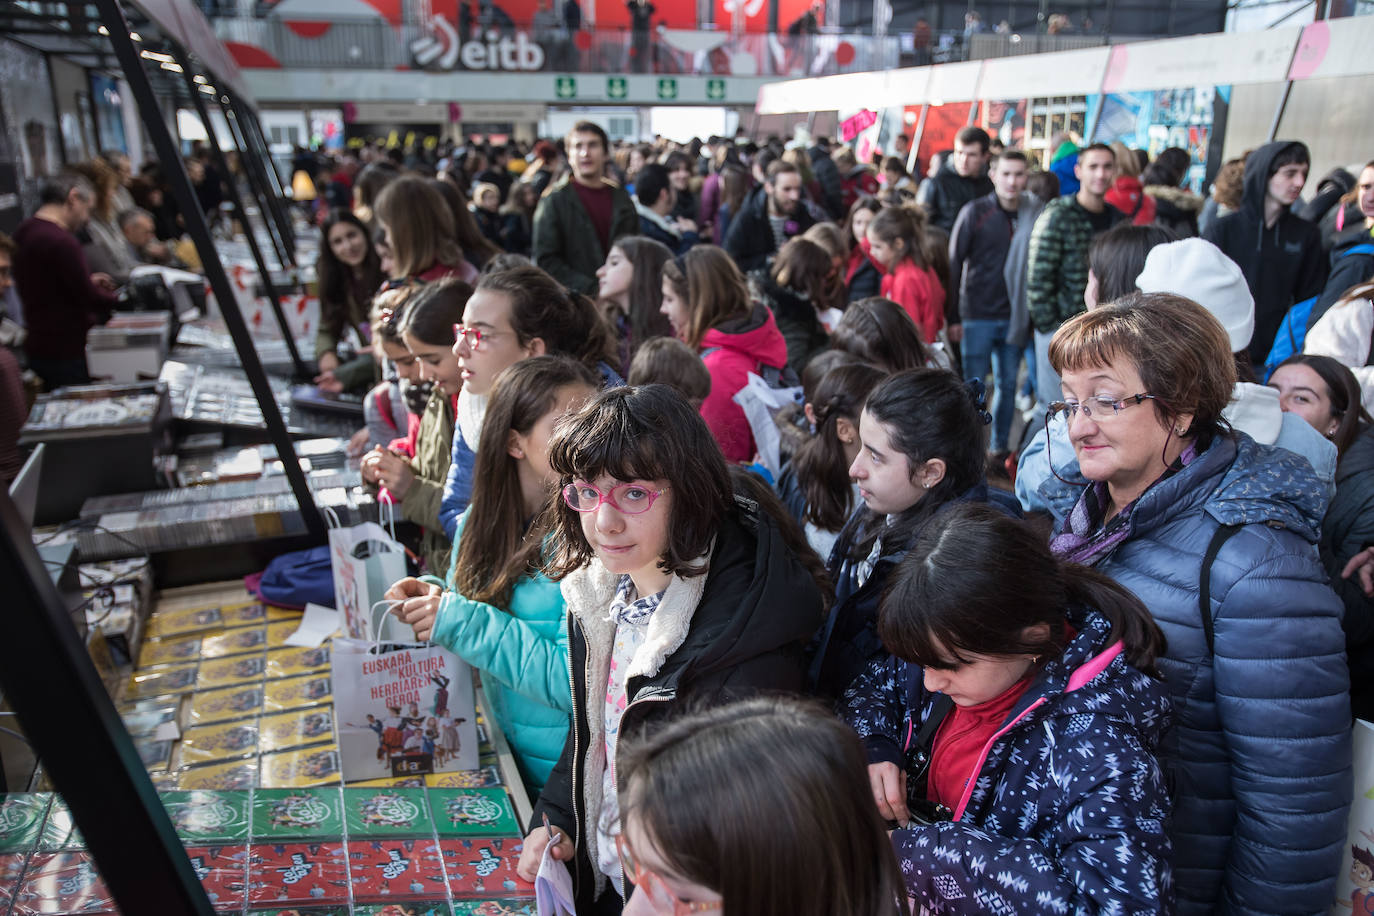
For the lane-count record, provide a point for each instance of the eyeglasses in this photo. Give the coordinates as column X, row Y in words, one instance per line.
column 473, row 336
column 652, row 885
column 1099, row 408
column 629, row 498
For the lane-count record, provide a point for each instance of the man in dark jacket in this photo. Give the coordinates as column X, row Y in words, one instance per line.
column 578, row 221
column 828, row 176
column 978, row 249
column 1279, row 253
column 654, row 200
column 961, row 179
column 768, row 217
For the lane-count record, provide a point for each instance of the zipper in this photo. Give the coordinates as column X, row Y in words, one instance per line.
column 657, row 698
column 576, row 757
column 983, row 757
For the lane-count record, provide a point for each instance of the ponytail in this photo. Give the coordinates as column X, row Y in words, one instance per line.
column 1132, row 624
column 905, row 223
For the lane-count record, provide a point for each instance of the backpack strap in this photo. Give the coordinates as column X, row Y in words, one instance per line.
column 1204, row 588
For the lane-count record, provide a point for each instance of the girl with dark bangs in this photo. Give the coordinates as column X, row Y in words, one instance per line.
column 679, row 594
column 694, row 839
column 923, row 448
column 1012, row 734
column 497, row 610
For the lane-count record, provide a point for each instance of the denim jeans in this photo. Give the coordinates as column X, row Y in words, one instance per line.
column 984, row 343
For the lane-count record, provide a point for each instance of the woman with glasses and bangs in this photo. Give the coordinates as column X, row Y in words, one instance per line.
column 1011, row 735
column 1217, row 535
column 679, row 593
column 792, row 832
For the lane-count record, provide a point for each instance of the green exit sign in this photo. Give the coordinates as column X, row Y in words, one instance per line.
column 617, row 87
column 565, row 87
column 715, row 89
column 667, row 87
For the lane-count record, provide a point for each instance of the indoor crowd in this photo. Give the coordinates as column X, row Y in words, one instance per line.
column 1055, row 595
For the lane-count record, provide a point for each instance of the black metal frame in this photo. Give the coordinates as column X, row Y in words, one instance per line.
column 112, row 14
column 56, row 692
column 240, row 212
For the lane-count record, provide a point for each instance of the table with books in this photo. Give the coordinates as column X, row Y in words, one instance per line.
column 237, row 731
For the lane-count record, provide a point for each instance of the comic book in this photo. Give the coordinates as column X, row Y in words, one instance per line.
column 311, row 766
column 179, row 623
column 208, row 817
column 292, row 661
column 169, row 651
column 173, row 679
column 220, row 741
column 295, row 692
column 501, row 907
column 226, row 704
column 21, row 819
column 406, row 710
column 486, row 777
column 236, row 774
column 234, row 642
column 297, row 814
column 230, row 672
column 304, row 872
column 395, row 869
column 296, row 728
column 387, row 812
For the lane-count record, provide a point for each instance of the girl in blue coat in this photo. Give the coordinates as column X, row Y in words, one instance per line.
column 1011, row 735
column 497, row 611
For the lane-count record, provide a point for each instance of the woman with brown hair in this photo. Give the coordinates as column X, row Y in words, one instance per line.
column 1215, row 533
column 707, row 303
column 795, row 289
column 477, row 248
column 690, row 838
column 420, row 230
column 496, row 609
column 630, row 291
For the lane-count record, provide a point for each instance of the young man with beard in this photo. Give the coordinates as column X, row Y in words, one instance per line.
column 578, row 221
column 768, row 218
column 1057, row 266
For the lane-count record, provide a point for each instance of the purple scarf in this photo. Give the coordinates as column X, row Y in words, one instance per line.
column 1086, row 538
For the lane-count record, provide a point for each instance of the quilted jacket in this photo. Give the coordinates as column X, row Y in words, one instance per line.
column 1259, row 761
column 1068, row 812
column 1057, row 266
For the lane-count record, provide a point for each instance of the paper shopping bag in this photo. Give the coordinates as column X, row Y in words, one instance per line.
column 365, row 560
column 402, row 709
column 1355, row 885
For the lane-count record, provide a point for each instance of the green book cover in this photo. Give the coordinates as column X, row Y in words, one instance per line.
column 387, row 812
column 206, row 816
column 298, row 813
column 21, row 819
column 473, row 812
column 59, row 831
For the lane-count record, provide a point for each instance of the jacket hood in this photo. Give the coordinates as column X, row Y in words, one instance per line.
column 784, row 301
column 658, row 219
column 756, row 336
column 1093, row 676
column 1238, row 481
column 1255, row 411
column 1258, row 167
column 1183, row 200
column 1066, row 149
column 1359, row 457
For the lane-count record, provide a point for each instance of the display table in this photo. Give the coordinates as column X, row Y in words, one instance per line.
column 236, row 730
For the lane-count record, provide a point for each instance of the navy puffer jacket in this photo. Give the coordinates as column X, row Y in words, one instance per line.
column 1260, row 757
column 1067, row 814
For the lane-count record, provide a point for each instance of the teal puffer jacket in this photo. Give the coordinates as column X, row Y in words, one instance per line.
column 522, row 652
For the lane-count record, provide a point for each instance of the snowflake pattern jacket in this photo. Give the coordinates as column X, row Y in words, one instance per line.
column 1067, row 814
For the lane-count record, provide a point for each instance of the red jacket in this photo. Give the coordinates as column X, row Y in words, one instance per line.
column 731, row 351
column 918, row 290
column 1129, row 197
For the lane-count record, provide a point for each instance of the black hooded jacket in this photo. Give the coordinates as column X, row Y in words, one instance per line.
column 1347, row 529
column 1283, row 263
column 949, row 191
column 747, row 635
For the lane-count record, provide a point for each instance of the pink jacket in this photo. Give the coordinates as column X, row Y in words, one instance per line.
column 730, row 352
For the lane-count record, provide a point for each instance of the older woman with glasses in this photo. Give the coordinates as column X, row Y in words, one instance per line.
column 1216, row 534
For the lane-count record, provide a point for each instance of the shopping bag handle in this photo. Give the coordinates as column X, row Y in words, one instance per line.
column 386, row 512
column 331, row 517
column 374, row 624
